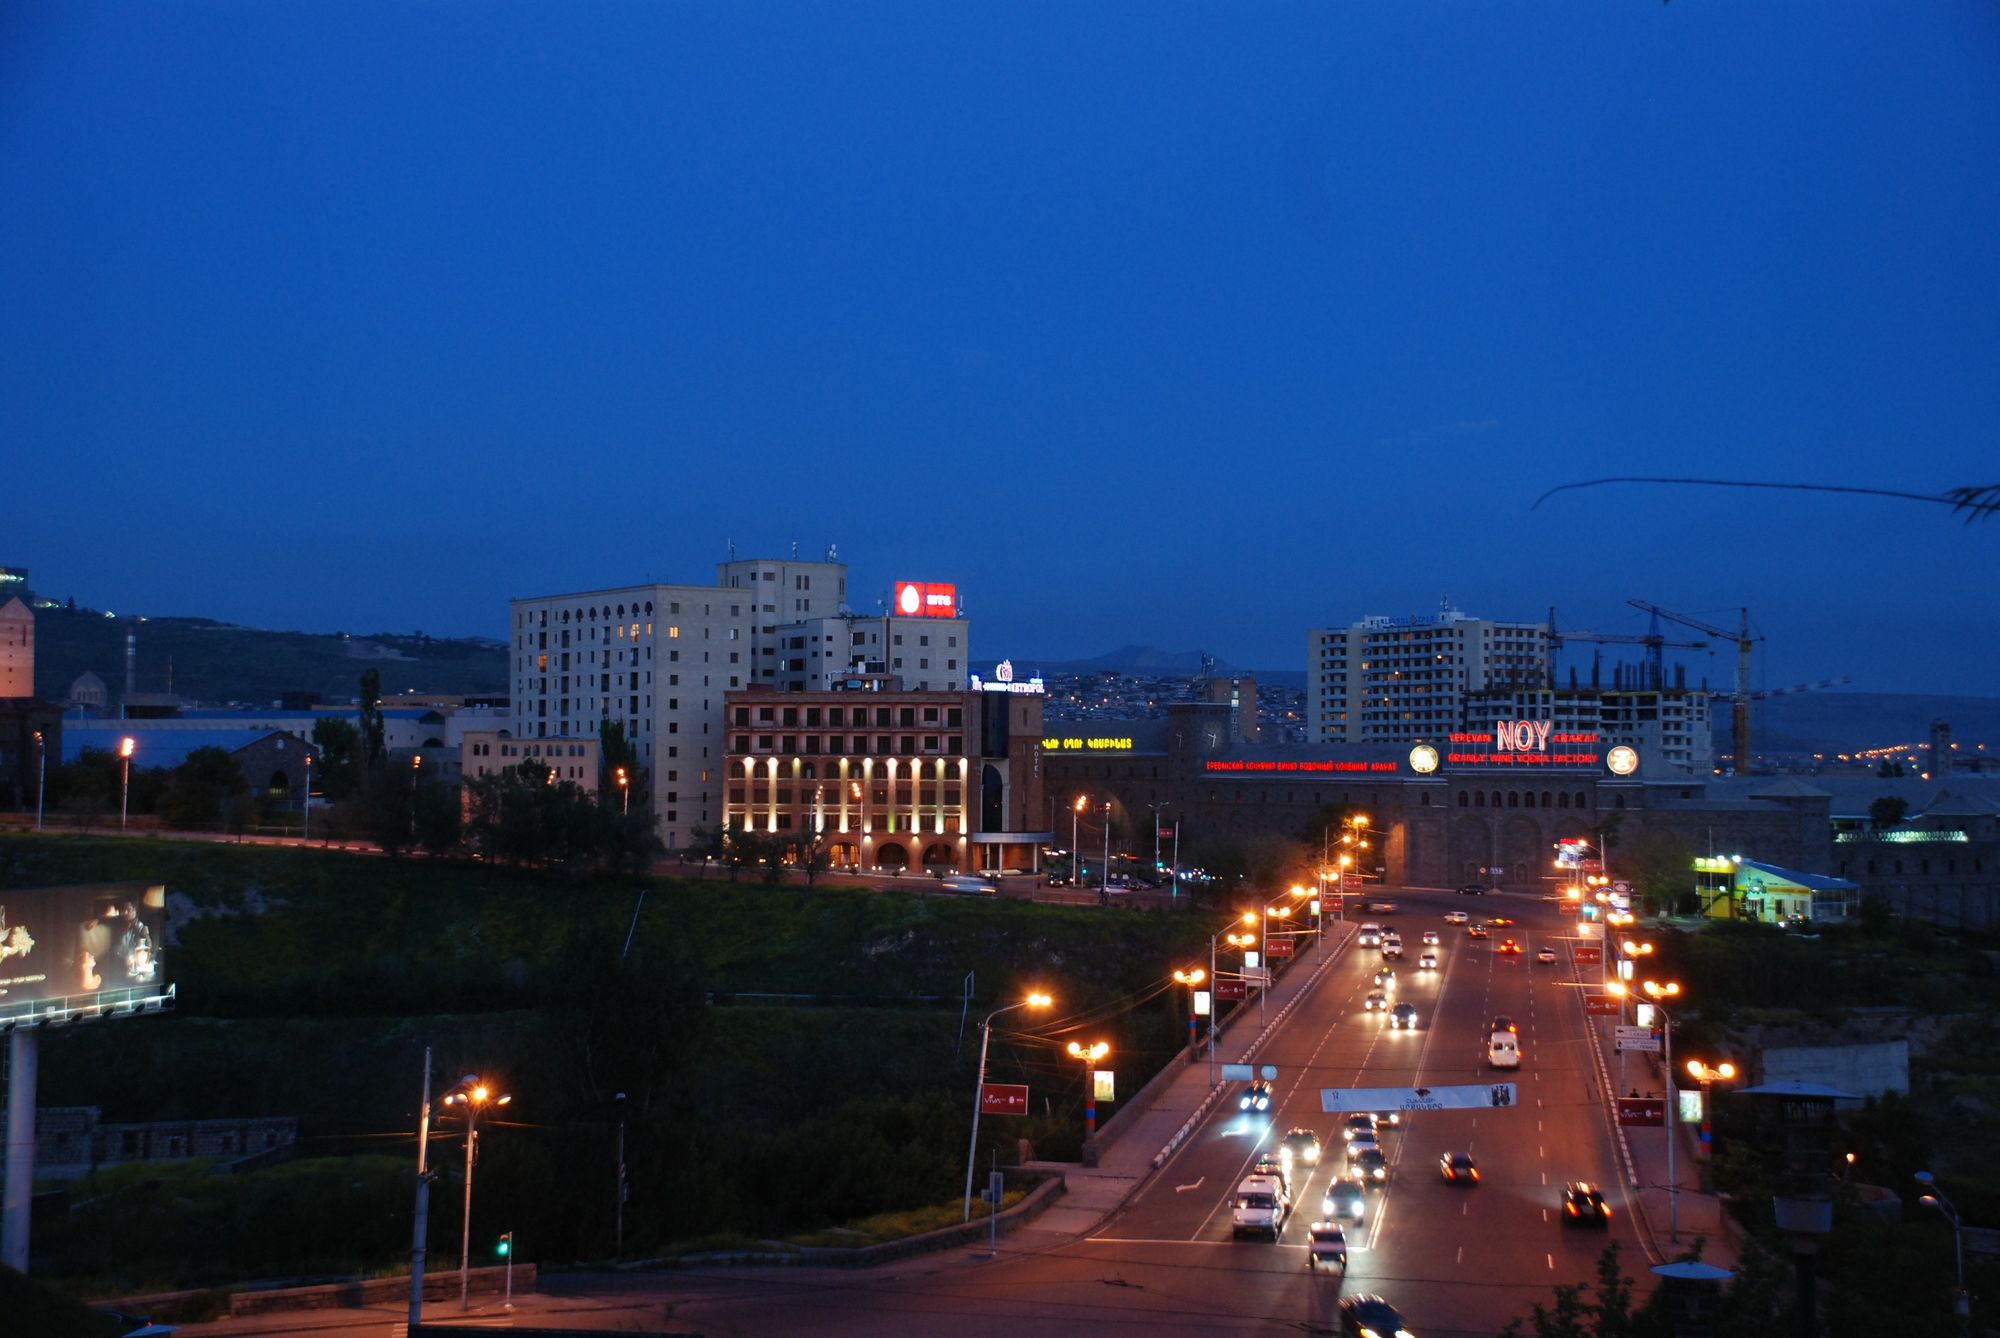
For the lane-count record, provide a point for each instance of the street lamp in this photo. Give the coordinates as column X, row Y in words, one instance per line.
column 1934, row 1198
column 1076, row 855
column 41, row 775
column 979, row 1093
column 1656, row 992
column 472, row 1096
column 1089, row 1054
column 624, row 791
column 125, row 747
column 1707, row 1077
column 306, row 805
column 1192, row 978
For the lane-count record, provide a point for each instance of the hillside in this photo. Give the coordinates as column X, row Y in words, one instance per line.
column 1834, row 722
column 215, row 662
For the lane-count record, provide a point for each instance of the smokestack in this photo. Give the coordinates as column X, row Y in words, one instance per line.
column 131, row 663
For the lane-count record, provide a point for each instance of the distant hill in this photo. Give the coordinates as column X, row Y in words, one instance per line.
column 218, row 663
column 1821, row 722
column 1153, row 662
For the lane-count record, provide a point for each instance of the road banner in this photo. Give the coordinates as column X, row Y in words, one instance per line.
column 1232, row 989
column 1588, row 954
column 1642, row 1112
column 1476, row 1096
column 1601, row 1005
column 1003, row 1098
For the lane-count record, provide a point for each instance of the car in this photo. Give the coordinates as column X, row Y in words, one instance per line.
column 1584, row 1205
column 1510, row 947
column 1344, row 1196
column 1376, row 1002
column 1392, row 945
column 1427, row 962
column 1546, row 956
column 1474, row 890
column 1379, row 907
column 1370, row 935
column 1476, row 931
column 1501, row 1022
column 1431, row 939
column 1357, row 1125
column 1360, row 1143
column 961, row 883
column 1326, row 1244
column 1498, row 921
column 1385, row 980
column 1261, row 1206
column 1366, row 1315
column 1403, row 1017
column 1257, row 1096
column 1388, row 1119
column 1370, row 1167
column 1456, row 917
column 1276, row 1164
column 1303, row 1144
column 1459, row 1168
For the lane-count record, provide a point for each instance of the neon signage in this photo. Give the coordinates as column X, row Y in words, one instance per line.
column 1318, row 768
column 1003, row 681
column 1524, row 743
column 1070, row 744
column 921, row 599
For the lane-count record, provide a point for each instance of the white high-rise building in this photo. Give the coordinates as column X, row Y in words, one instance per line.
column 928, row 654
column 1397, row 680
column 658, row 659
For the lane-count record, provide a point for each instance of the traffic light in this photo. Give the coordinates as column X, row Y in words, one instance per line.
column 506, row 1245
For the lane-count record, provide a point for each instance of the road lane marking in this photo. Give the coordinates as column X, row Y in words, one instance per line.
column 1461, row 1254
column 1552, row 1263
column 1182, row 1189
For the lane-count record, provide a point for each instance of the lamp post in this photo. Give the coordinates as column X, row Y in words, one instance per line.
column 1089, row 1054
column 979, row 1093
column 624, row 792
column 1656, row 991
column 1934, row 1198
column 618, row 1210
column 125, row 746
column 1156, row 834
column 1193, row 979
column 306, row 805
column 1708, row 1077
column 1104, row 881
column 1076, row 855
column 473, row 1097
column 420, row 1231
column 41, row 775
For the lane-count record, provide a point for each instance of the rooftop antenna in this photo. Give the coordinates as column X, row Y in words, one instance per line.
column 732, row 550
column 832, row 552
column 795, row 550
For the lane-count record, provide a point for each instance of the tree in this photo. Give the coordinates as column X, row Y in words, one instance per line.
column 1660, row 866
column 1887, row 811
column 200, row 787
column 1889, row 770
column 1575, row 1315
column 615, row 751
column 705, row 843
column 808, row 851
column 373, row 750
column 339, row 748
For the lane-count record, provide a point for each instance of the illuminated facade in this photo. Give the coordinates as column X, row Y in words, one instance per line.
column 891, row 778
column 1670, row 727
column 658, row 660
column 930, row 654
column 1397, row 680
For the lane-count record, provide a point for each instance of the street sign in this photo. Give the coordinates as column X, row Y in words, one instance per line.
column 1257, row 975
column 1476, row 1096
column 1279, row 947
column 996, row 1188
column 1642, row 1112
column 1238, row 1073
column 1601, row 1005
column 1232, row 989
column 1588, row 955
column 1003, row 1098
column 1622, row 888
column 1567, row 908
column 1642, row 1039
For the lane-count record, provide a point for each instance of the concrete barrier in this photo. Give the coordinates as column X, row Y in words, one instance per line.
column 378, row 1291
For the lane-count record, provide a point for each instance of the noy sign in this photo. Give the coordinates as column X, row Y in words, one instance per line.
column 1521, row 736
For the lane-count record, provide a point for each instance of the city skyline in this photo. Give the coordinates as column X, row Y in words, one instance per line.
column 356, row 317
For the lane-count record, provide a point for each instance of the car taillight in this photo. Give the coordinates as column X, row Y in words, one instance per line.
column 1572, row 1209
column 1475, row 1174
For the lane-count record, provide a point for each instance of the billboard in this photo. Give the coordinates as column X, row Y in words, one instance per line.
column 921, row 599
column 72, row 953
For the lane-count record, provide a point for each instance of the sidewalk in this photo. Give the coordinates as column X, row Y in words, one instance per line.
column 1669, row 1222
column 1134, row 1143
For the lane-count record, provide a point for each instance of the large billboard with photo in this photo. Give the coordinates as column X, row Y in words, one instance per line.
column 72, row 953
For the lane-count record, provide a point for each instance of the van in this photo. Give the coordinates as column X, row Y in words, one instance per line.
column 1503, row 1051
column 1260, row 1208
column 1370, row 935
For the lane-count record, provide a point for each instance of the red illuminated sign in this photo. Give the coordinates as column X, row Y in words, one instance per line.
column 1278, row 947
column 1601, row 1005
column 1642, row 1112
column 920, row 599
column 1003, row 1098
column 1232, row 989
column 1323, row 768
column 1593, row 955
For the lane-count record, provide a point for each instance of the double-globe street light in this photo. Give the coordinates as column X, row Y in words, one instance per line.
column 979, row 1093
column 472, row 1097
column 1089, row 1054
column 1656, row 991
column 1708, row 1077
column 1193, row 979
column 1933, row 1197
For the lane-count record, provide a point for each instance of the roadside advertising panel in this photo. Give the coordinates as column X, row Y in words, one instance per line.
column 1003, row 1098
column 1601, row 1005
column 1226, row 990
column 71, row 953
column 1641, row 1112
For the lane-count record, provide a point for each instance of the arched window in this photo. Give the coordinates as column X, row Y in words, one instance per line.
column 1513, row 799
column 649, row 607
column 1545, row 799
column 1427, row 799
column 1479, row 799
column 1528, row 799
column 1562, row 799
column 1621, row 801
column 1464, row 799
column 1579, row 800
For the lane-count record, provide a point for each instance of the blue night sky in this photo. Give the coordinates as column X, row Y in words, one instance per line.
column 1188, row 325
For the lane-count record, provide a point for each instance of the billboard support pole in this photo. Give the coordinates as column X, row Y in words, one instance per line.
column 20, row 1159
column 421, row 1231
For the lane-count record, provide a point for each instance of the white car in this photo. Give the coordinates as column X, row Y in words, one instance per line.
column 1360, row 1143
column 1456, row 917
column 1547, row 956
column 1261, row 1206
column 1427, row 962
column 1431, row 939
column 1371, row 935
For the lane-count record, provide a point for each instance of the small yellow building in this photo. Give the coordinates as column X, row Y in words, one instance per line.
column 1730, row 887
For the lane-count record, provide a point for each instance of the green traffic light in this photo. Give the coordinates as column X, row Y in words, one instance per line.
column 505, row 1247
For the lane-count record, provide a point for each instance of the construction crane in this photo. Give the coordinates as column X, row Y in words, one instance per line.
column 1739, row 715
column 1652, row 641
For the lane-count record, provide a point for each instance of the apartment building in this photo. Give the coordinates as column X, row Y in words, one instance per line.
column 657, row 659
column 1398, row 680
column 928, row 654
